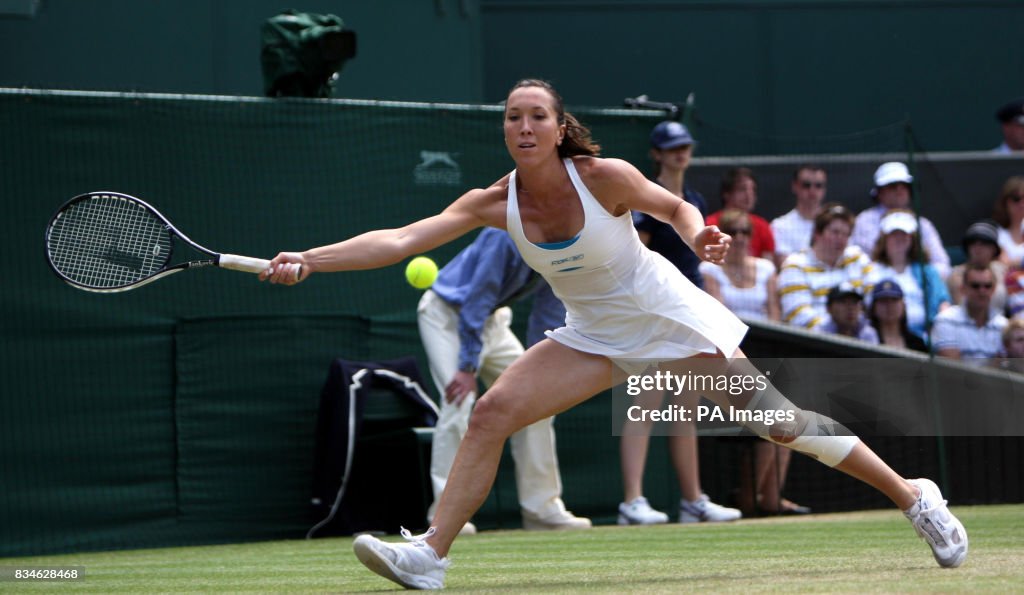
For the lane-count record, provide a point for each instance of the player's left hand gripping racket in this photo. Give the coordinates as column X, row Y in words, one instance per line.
column 109, row 242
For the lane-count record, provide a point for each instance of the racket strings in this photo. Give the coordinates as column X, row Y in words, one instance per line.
column 108, row 241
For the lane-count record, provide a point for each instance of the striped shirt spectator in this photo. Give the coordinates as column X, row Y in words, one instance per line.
column 807, row 276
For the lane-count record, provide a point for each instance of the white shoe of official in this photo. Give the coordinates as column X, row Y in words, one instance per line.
column 639, row 512
column 563, row 521
column 414, row 565
column 937, row 526
column 703, row 510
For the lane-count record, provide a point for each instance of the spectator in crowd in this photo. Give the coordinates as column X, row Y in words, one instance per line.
column 808, row 275
column 846, row 314
column 793, row 230
column 746, row 284
column 739, row 191
column 671, row 150
column 971, row 331
column 465, row 325
column 1008, row 213
column 1011, row 118
column 892, row 191
column 898, row 255
column 888, row 315
column 981, row 246
column 1013, row 348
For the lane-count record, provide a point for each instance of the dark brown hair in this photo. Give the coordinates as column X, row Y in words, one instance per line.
column 733, row 177
column 830, row 212
column 806, row 167
column 577, row 139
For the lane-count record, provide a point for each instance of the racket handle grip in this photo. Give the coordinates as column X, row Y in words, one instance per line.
column 247, row 264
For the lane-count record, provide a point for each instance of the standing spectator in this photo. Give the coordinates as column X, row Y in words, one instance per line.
column 671, row 149
column 739, row 191
column 745, row 284
column 888, row 314
column 846, row 312
column 972, row 331
column 1008, row 213
column 1011, row 117
column 808, row 275
column 793, row 230
column 892, row 191
column 981, row 246
column 465, row 325
column 898, row 255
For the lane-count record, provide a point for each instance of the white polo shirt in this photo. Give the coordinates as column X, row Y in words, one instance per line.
column 954, row 328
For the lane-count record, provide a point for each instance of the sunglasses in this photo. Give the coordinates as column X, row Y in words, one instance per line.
column 809, row 184
column 975, row 285
column 737, row 231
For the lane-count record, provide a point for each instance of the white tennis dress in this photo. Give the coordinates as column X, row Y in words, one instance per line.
column 622, row 300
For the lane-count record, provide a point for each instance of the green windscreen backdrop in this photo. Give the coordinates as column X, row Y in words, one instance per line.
column 184, row 411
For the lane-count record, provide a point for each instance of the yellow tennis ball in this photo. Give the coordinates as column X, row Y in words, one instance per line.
column 421, row 272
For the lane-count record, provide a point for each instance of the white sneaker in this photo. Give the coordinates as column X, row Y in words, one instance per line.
column 703, row 510
column 639, row 512
column 937, row 526
column 563, row 521
column 413, row 565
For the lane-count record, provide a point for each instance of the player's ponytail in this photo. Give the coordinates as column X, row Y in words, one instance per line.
column 577, row 139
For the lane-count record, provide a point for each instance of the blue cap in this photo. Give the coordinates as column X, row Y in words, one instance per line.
column 670, row 135
column 887, row 288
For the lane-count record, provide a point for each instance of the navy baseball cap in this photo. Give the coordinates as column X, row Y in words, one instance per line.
column 887, row 288
column 670, row 135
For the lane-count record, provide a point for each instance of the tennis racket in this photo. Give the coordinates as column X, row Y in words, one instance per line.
column 108, row 242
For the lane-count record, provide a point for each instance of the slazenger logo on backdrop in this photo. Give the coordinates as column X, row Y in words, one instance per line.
column 437, row 168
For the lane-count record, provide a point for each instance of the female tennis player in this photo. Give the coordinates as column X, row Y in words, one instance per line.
column 569, row 214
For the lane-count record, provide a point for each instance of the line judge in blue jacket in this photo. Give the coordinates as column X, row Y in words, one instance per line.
column 465, row 324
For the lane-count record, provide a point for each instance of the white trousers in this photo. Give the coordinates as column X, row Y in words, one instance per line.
column 538, row 481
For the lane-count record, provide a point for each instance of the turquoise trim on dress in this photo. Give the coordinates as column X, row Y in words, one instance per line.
column 558, row 245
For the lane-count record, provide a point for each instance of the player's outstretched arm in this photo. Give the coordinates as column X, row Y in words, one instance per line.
column 383, row 247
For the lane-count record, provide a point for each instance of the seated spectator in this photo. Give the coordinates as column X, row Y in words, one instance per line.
column 981, row 247
column 793, row 230
column 846, row 311
column 1008, row 213
column 972, row 331
column 898, row 255
column 744, row 283
column 892, row 191
column 1011, row 119
column 1013, row 348
column 739, row 191
column 808, row 275
column 888, row 315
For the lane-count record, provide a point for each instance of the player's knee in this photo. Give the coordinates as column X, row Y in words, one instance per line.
column 495, row 415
